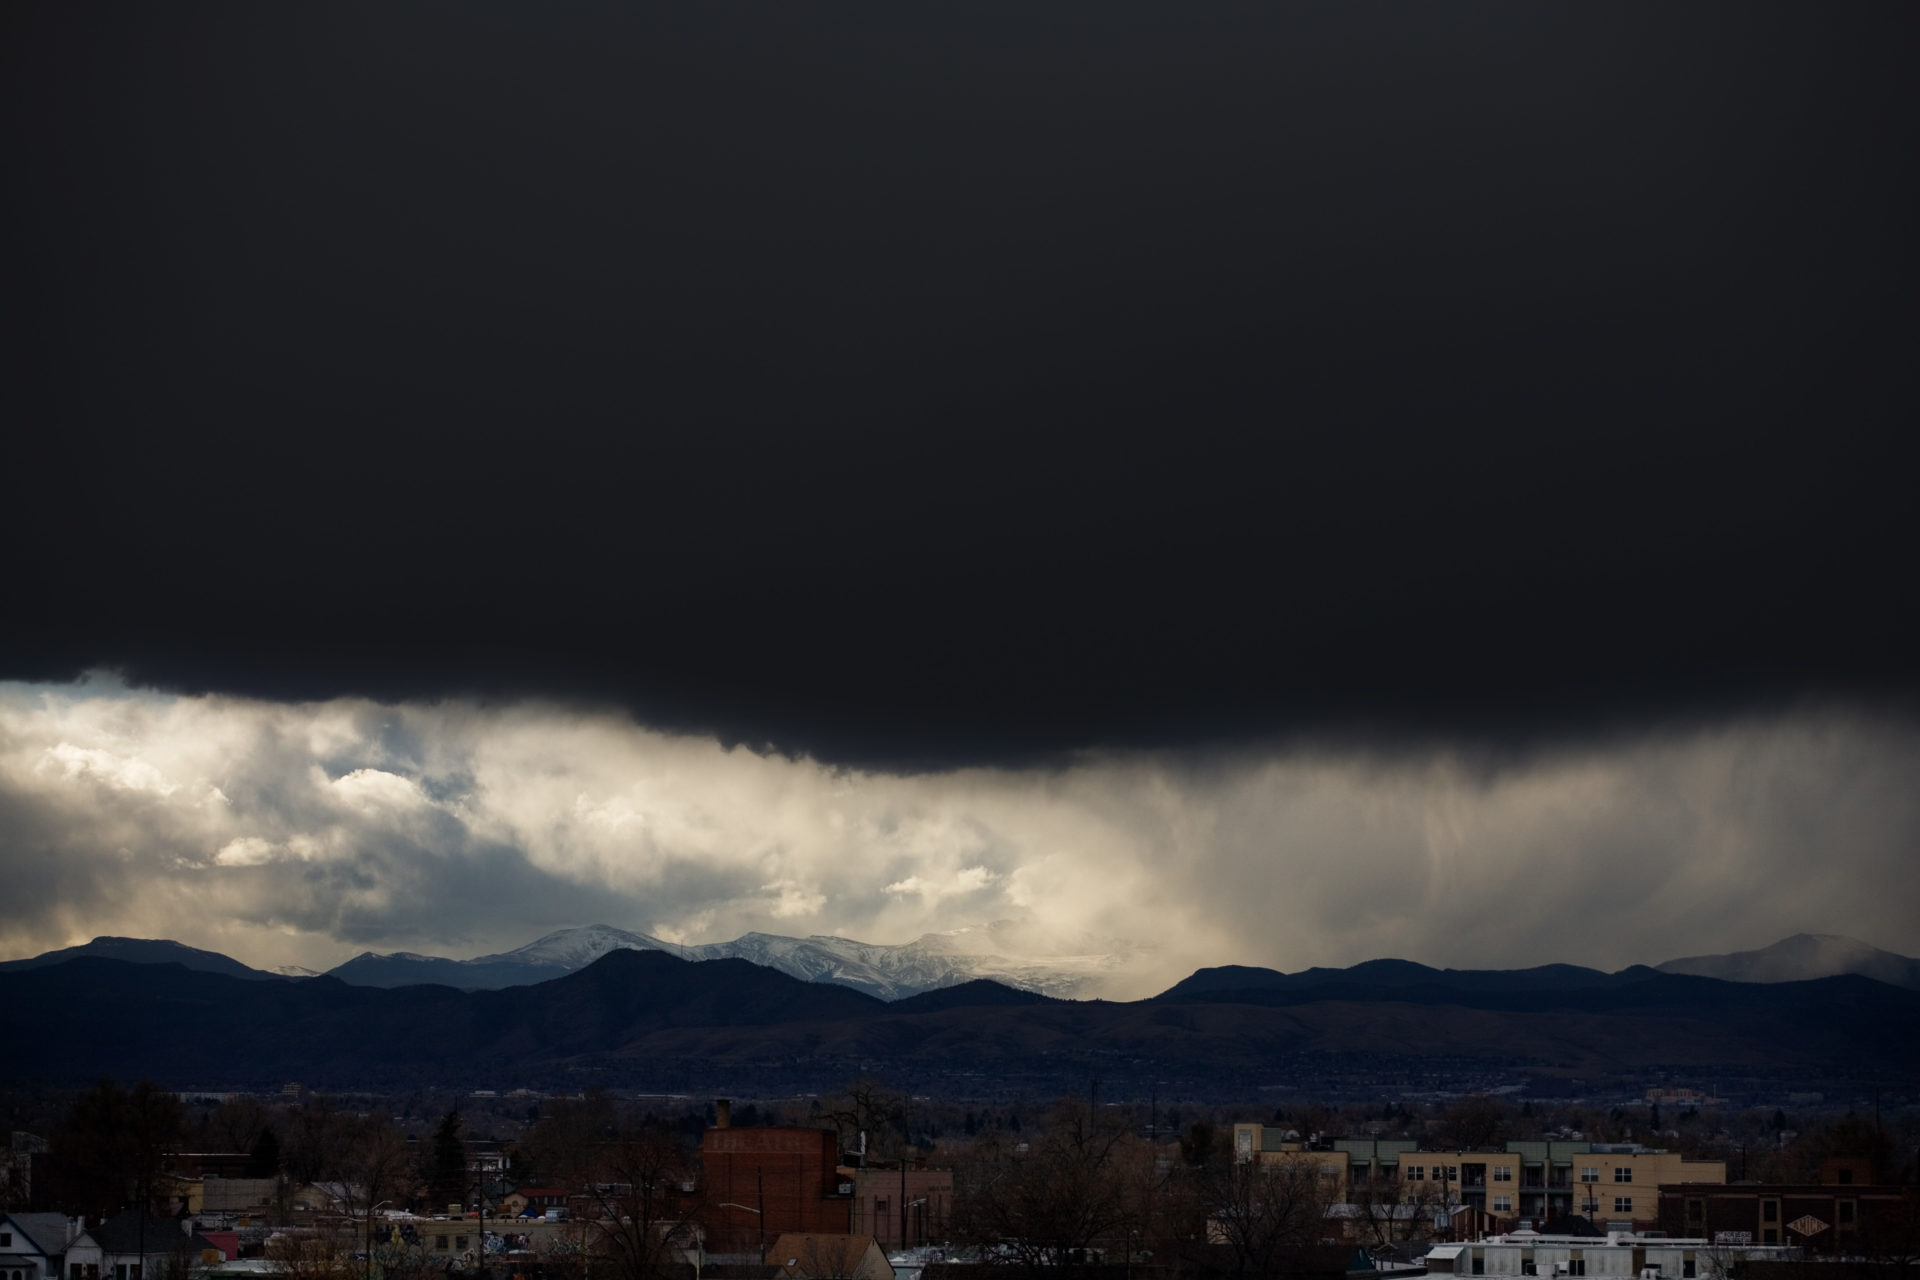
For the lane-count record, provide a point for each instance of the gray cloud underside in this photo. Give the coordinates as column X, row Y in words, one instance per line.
column 304, row 833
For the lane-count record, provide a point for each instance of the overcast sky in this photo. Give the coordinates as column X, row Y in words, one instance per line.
column 1105, row 457
column 304, row 833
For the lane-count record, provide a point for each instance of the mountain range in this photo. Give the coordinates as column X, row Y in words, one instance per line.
column 653, row 1021
column 1004, row 952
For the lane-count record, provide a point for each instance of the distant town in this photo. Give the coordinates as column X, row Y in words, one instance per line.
column 872, row 1183
column 1649, row 1125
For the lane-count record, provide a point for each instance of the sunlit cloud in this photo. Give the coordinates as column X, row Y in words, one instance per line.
column 290, row 833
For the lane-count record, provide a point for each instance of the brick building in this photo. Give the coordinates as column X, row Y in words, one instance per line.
column 759, row 1183
column 1849, row 1219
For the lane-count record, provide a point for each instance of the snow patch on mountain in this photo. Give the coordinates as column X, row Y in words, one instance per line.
column 1801, row 958
column 578, row 948
column 1004, row 951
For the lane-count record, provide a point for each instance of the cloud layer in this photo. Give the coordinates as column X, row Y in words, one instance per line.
column 302, row 833
column 959, row 385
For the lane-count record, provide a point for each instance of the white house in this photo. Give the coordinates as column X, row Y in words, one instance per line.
column 33, row 1245
column 133, row 1246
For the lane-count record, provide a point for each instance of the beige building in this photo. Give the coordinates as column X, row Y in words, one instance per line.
column 1614, row 1184
column 813, row 1255
column 902, row 1208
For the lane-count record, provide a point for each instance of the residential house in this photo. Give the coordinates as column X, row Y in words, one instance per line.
column 34, row 1245
column 829, row 1256
column 134, row 1246
column 532, row 1201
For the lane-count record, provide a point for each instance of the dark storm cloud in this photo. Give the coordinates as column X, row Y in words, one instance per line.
column 917, row 387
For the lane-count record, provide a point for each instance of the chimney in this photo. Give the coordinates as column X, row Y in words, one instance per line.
column 722, row 1113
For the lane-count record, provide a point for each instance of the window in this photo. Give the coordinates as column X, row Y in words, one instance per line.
column 1769, row 1211
column 1576, row 1266
column 1696, row 1211
column 1623, row 1204
column 1416, row 1173
column 1623, row 1173
column 1845, row 1177
column 1453, row 1173
column 1503, row 1173
column 1843, row 1210
column 1503, row 1204
column 6, row 1239
column 459, row 1242
column 1589, row 1173
column 880, row 1204
column 439, row 1242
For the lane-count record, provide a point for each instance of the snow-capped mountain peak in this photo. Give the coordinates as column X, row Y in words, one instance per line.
column 578, row 948
column 1003, row 951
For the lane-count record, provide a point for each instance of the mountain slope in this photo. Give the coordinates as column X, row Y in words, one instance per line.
column 646, row 1017
column 142, row 951
column 1258, row 985
column 1802, row 957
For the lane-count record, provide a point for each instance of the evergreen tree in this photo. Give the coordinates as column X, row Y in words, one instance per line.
column 447, row 1177
column 263, row 1161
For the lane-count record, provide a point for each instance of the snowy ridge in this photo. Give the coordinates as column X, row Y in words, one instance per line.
column 1802, row 957
column 1004, row 951
column 578, row 948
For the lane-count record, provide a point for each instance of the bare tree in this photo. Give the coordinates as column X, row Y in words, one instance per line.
column 1471, row 1124
column 1265, row 1211
column 868, row 1107
column 1047, row 1202
column 564, row 1145
column 645, row 1219
column 235, row 1124
column 1389, row 1212
column 376, row 1170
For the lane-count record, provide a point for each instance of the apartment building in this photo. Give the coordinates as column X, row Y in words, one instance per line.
column 1527, row 1182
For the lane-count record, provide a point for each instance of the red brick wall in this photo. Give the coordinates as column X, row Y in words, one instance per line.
column 786, row 1174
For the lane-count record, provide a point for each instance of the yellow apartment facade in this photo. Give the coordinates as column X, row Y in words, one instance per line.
column 1525, row 1183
